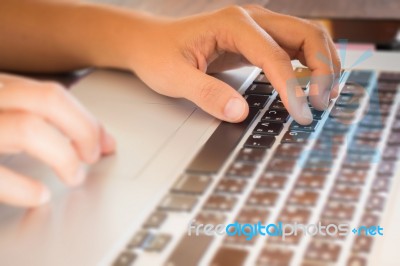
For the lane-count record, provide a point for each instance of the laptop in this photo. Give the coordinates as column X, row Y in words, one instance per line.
column 187, row 189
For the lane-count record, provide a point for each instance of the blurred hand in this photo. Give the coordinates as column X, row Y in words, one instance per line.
column 175, row 55
column 44, row 121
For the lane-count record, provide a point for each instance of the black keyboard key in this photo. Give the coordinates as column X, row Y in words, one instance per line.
column 262, row 79
column 252, row 215
column 220, row 145
column 379, row 109
column 375, row 203
column 158, row 242
column 323, row 252
column 126, row 258
column 274, row 255
column 386, row 87
column 220, row 203
column 310, row 181
column 352, row 176
column 362, row 244
column 344, row 192
column 268, row 128
column 336, row 210
column 231, row 186
column 317, row 115
column 139, row 239
column 279, row 116
column 250, row 155
column 381, row 185
column 229, row 256
column 361, row 77
column 241, row 169
column 303, row 197
column 334, row 125
column 190, row 250
column 262, row 198
column 283, row 165
column 370, row 122
column 277, row 104
column 180, row 203
column 259, row 141
column 347, row 101
column 192, row 184
column 209, row 217
column 272, row 180
column 288, row 151
column 296, row 137
column 155, row 220
column 260, row 89
column 390, row 77
column 307, row 128
column 382, row 97
column 293, row 214
column 257, row 101
column 342, row 113
column 353, row 90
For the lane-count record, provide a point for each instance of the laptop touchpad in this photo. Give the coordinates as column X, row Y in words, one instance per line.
column 141, row 120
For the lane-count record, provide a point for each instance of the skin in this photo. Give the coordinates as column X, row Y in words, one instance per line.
column 59, row 36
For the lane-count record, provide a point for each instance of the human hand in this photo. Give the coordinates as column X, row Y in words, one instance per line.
column 44, row 121
column 172, row 57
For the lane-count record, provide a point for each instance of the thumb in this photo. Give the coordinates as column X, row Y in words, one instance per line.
column 214, row 96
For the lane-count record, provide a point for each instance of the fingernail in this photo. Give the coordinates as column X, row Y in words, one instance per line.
column 306, row 112
column 234, row 109
column 44, row 197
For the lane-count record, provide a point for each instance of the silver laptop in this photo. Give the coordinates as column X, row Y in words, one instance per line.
column 186, row 189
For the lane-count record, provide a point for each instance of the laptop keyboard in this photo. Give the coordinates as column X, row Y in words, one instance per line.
column 339, row 169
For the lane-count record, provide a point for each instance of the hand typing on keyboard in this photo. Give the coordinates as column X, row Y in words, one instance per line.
column 173, row 55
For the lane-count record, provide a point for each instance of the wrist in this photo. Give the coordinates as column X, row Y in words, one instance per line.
column 113, row 37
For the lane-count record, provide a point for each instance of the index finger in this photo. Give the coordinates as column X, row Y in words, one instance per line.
column 309, row 43
column 241, row 34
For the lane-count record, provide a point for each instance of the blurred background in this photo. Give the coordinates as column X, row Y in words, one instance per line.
column 373, row 23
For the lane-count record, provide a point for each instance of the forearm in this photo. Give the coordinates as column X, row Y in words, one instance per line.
column 54, row 36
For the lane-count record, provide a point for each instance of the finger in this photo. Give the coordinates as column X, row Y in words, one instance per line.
column 212, row 95
column 302, row 37
column 22, row 191
column 241, row 34
column 23, row 132
column 337, row 67
column 56, row 105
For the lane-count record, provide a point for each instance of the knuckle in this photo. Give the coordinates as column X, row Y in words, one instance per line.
column 53, row 93
column 28, row 125
column 207, row 92
column 318, row 30
column 234, row 11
